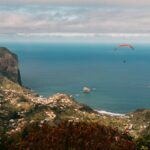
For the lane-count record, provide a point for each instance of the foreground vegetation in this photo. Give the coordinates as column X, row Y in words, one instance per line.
column 68, row 136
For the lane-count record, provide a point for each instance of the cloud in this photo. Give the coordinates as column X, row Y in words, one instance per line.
column 73, row 21
column 92, row 35
column 78, row 2
column 78, row 37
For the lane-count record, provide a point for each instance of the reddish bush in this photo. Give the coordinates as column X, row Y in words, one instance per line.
column 72, row 136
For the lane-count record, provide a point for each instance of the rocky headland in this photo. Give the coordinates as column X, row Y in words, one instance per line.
column 9, row 65
column 20, row 106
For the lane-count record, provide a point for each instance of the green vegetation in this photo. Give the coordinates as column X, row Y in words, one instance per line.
column 143, row 143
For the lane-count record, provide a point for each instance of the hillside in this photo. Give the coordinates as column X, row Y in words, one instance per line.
column 21, row 106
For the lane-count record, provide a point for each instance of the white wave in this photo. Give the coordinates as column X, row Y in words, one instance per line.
column 110, row 113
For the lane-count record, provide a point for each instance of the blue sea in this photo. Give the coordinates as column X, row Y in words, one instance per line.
column 120, row 80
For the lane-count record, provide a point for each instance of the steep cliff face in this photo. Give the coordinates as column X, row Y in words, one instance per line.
column 9, row 65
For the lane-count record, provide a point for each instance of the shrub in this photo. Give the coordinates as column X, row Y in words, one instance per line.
column 143, row 143
column 72, row 136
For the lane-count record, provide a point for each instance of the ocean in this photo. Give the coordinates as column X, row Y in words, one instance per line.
column 120, row 80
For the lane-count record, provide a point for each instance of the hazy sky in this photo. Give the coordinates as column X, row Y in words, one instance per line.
column 79, row 18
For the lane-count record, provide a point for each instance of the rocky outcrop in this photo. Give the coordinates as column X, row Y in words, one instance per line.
column 9, row 65
column 86, row 90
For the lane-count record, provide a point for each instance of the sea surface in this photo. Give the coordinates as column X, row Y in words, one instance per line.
column 120, row 80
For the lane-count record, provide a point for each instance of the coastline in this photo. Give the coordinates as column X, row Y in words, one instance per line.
column 103, row 112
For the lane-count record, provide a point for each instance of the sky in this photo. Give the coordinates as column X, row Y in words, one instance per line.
column 99, row 20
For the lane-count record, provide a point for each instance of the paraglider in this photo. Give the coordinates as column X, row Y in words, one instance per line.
column 124, row 45
column 120, row 46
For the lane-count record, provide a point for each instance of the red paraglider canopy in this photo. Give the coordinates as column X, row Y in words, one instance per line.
column 124, row 45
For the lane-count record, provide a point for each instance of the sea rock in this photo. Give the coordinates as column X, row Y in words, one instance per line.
column 86, row 90
column 9, row 65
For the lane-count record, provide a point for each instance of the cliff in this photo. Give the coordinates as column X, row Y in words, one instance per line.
column 9, row 65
